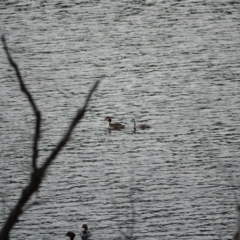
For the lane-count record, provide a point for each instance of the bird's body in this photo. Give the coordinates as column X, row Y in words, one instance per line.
column 114, row 126
column 141, row 126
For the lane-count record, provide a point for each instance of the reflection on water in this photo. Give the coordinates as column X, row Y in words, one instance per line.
column 172, row 64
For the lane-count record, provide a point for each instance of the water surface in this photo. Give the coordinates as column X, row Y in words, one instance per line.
column 172, row 64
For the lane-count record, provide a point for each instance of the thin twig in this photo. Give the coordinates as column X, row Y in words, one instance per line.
column 236, row 233
column 128, row 235
column 32, row 102
column 133, row 210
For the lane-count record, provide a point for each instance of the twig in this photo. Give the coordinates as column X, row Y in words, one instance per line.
column 32, row 102
column 132, row 212
column 236, row 233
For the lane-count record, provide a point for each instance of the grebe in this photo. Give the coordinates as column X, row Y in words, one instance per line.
column 71, row 235
column 85, row 234
column 141, row 126
column 115, row 126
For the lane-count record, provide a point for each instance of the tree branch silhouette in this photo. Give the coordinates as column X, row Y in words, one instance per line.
column 38, row 173
column 32, row 102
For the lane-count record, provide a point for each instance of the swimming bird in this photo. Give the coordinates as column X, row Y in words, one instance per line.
column 71, row 235
column 141, row 126
column 115, row 126
column 85, row 234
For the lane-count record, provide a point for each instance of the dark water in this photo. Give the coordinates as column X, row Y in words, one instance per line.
column 172, row 64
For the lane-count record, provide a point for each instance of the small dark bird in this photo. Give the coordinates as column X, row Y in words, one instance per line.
column 114, row 126
column 71, row 235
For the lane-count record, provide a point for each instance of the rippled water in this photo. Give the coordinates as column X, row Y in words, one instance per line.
column 173, row 64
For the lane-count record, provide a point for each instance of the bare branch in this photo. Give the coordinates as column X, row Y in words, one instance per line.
column 38, row 173
column 64, row 140
column 32, row 102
